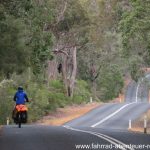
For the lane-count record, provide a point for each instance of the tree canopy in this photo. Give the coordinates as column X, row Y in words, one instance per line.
column 69, row 50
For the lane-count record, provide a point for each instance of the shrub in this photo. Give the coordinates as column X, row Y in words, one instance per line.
column 110, row 83
column 82, row 92
column 44, row 98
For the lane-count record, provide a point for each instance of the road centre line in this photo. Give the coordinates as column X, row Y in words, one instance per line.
column 111, row 115
column 102, row 136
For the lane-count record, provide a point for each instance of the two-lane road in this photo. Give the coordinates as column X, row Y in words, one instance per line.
column 111, row 116
column 103, row 128
column 63, row 138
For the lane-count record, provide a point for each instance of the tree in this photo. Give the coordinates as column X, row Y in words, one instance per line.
column 110, row 83
column 134, row 27
column 13, row 52
column 40, row 40
column 69, row 29
column 103, row 42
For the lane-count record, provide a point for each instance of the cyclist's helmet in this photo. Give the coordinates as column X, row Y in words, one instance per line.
column 20, row 88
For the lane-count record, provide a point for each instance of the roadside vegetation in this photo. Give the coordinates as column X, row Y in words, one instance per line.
column 64, row 51
column 138, row 125
column 66, row 114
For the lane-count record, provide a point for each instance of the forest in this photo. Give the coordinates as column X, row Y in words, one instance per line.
column 65, row 51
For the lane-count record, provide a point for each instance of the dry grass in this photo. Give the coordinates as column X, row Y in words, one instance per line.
column 63, row 115
column 138, row 125
column 1, row 129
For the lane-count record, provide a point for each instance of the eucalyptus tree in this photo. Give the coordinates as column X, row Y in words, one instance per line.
column 103, row 45
column 13, row 51
column 135, row 29
column 69, row 29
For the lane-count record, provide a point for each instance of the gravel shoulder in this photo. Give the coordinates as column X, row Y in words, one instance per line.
column 63, row 115
column 138, row 125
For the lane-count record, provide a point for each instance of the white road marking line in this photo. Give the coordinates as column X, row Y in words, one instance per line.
column 104, row 137
column 137, row 89
column 111, row 115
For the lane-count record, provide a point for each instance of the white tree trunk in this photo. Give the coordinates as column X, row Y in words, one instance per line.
column 69, row 71
column 74, row 71
column 52, row 71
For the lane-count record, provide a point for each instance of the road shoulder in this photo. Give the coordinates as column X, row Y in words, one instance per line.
column 138, row 125
column 1, row 129
column 63, row 115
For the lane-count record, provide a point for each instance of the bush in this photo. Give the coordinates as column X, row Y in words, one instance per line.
column 82, row 92
column 44, row 99
column 6, row 100
column 110, row 83
column 56, row 84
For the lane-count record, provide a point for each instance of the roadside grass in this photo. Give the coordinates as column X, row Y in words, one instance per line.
column 138, row 125
column 70, row 112
column 63, row 115
column 1, row 128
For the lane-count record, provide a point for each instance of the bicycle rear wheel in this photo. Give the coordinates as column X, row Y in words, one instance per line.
column 19, row 120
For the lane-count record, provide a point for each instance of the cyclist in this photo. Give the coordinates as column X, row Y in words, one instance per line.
column 20, row 97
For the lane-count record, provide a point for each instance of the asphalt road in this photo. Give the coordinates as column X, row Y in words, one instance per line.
column 117, row 116
column 67, row 138
column 103, row 128
column 111, row 116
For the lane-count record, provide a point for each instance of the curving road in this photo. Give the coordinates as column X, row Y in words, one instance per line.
column 111, row 116
column 117, row 116
column 68, row 138
column 102, row 128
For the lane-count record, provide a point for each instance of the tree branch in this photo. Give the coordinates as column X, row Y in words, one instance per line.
column 61, row 16
column 61, row 51
column 97, row 74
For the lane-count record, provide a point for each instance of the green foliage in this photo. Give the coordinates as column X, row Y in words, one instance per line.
column 44, row 99
column 22, row 27
column 6, row 103
column 31, row 29
column 57, row 84
column 39, row 95
column 82, row 92
column 57, row 99
column 110, row 83
column 17, row 8
column 13, row 54
column 135, row 68
column 40, row 40
column 134, row 27
column 74, row 16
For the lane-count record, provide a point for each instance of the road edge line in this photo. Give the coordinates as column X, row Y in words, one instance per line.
column 111, row 115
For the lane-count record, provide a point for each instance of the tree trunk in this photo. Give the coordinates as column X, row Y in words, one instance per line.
column 69, row 68
column 94, row 89
column 64, row 72
column 52, row 70
column 69, row 71
column 74, row 71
